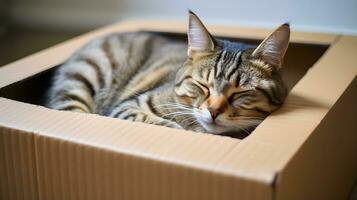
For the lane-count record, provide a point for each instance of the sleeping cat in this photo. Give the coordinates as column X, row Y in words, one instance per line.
column 210, row 85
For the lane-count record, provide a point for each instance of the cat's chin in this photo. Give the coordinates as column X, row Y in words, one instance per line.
column 214, row 128
column 218, row 129
column 226, row 131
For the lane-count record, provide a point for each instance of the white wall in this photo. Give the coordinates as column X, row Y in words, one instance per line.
column 316, row 15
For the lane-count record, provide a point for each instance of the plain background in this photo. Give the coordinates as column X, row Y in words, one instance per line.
column 334, row 16
column 27, row 26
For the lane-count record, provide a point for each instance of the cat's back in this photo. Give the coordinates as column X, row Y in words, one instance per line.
column 134, row 46
column 109, row 66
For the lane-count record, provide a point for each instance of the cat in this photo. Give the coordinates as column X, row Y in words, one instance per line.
column 208, row 85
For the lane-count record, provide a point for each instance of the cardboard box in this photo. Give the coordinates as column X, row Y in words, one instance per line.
column 305, row 150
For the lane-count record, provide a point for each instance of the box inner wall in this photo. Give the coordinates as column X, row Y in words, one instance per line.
column 298, row 59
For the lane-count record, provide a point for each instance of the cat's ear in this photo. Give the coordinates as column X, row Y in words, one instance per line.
column 199, row 39
column 273, row 48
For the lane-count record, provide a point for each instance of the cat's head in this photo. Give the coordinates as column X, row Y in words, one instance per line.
column 231, row 86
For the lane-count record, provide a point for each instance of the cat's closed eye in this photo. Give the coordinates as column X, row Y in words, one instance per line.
column 242, row 98
column 236, row 95
column 202, row 87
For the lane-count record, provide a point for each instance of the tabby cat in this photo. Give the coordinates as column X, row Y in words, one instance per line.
column 210, row 85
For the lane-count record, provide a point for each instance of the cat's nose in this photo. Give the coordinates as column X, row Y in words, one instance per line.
column 214, row 112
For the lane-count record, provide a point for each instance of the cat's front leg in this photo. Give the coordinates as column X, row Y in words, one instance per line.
column 162, row 122
column 139, row 115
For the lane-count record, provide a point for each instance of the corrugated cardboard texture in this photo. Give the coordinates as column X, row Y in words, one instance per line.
column 18, row 176
column 82, row 156
column 325, row 168
column 310, row 100
column 337, row 132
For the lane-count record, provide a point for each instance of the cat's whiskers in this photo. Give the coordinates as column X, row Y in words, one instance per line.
column 175, row 105
column 194, row 122
column 180, row 110
column 174, row 113
column 175, row 108
column 177, row 114
column 190, row 118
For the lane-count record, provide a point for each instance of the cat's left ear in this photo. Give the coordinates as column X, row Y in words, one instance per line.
column 199, row 39
column 273, row 48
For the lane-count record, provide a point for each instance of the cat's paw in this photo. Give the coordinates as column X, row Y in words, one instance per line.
column 175, row 125
column 171, row 124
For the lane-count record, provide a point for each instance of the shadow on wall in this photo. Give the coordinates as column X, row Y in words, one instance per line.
column 16, row 43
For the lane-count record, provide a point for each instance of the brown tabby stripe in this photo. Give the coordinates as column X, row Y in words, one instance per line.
column 134, row 115
column 261, row 111
column 144, row 118
column 268, row 96
column 275, row 95
column 236, row 95
column 134, row 98
column 256, row 109
column 151, row 106
column 204, row 86
column 72, row 107
column 116, row 115
column 137, row 94
column 98, row 71
column 228, row 57
column 164, row 123
column 131, row 98
column 235, row 67
column 208, row 74
column 232, row 57
column 79, row 77
column 148, row 45
column 66, row 95
column 185, row 96
column 182, row 80
column 110, row 55
column 264, row 71
column 130, row 50
column 200, row 73
column 200, row 86
column 237, row 82
column 217, row 62
column 240, row 92
column 225, row 55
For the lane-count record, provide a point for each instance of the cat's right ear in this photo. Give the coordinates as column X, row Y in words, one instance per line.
column 273, row 48
column 199, row 39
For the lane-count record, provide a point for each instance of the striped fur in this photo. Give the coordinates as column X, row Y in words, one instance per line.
column 146, row 77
